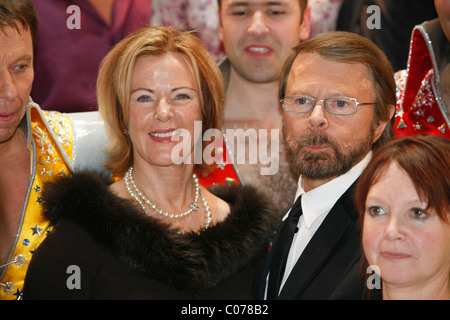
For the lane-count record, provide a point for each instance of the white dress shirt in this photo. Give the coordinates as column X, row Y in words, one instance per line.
column 316, row 204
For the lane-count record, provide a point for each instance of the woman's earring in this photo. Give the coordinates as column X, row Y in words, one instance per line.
column 125, row 132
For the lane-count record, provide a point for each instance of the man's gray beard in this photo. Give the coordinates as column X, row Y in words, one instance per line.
column 325, row 165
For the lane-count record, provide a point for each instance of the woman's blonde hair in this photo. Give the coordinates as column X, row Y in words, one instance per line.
column 113, row 85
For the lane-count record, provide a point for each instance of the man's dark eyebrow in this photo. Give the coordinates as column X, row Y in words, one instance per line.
column 247, row 3
column 274, row 3
column 25, row 57
column 239, row 4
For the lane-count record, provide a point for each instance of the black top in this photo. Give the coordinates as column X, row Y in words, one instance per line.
column 105, row 247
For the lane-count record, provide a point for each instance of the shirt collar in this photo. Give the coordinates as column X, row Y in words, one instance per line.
column 25, row 124
column 320, row 200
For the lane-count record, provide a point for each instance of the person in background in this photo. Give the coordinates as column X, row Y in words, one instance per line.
column 337, row 92
column 35, row 147
column 387, row 23
column 423, row 88
column 156, row 233
column 324, row 15
column 199, row 16
column 258, row 36
column 73, row 38
column 403, row 198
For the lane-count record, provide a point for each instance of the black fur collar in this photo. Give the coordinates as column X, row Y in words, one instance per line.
column 149, row 247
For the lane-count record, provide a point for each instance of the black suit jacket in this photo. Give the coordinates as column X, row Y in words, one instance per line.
column 329, row 266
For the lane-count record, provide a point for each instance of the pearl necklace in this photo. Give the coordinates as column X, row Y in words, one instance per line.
column 137, row 195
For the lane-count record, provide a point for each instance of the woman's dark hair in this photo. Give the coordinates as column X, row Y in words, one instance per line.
column 426, row 161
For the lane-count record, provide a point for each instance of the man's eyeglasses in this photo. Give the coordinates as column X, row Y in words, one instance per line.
column 334, row 105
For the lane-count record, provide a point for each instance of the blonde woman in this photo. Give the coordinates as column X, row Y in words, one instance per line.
column 155, row 233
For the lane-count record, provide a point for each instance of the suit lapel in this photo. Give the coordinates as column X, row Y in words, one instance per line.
column 262, row 281
column 319, row 248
